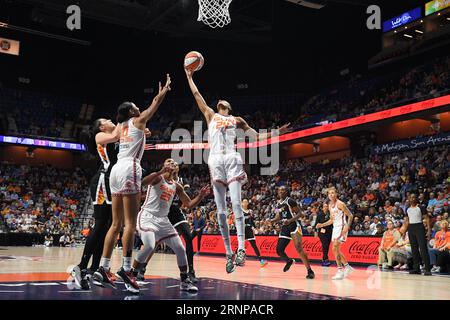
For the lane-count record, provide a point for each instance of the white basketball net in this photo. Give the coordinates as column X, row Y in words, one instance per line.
column 214, row 13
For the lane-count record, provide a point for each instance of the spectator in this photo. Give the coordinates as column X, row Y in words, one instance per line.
column 48, row 242
column 441, row 244
column 386, row 251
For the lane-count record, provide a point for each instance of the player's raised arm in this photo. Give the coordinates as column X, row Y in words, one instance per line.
column 154, row 177
column 148, row 113
column 105, row 137
column 201, row 103
column 253, row 134
column 187, row 201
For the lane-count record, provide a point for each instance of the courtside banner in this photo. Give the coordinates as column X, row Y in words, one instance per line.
column 356, row 249
column 9, row 46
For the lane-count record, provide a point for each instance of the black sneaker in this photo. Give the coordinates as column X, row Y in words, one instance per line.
column 188, row 286
column 192, row 277
column 85, row 276
column 310, row 274
column 240, row 258
column 104, row 278
column 140, row 276
column 288, row 265
column 129, row 280
column 230, row 266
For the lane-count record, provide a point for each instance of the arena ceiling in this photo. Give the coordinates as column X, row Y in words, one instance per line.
column 253, row 20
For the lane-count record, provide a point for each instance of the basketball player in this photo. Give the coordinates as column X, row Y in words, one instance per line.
column 125, row 183
column 249, row 234
column 154, row 225
column 178, row 219
column 101, row 141
column 289, row 212
column 341, row 218
column 226, row 167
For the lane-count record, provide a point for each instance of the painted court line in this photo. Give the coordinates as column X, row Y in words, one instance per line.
column 44, row 284
column 10, row 291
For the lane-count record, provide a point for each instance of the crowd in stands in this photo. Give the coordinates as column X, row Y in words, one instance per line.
column 56, row 116
column 41, row 199
column 375, row 189
column 357, row 96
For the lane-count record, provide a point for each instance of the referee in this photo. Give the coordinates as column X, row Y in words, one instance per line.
column 418, row 236
column 324, row 233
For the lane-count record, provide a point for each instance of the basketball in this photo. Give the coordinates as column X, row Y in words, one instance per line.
column 193, row 61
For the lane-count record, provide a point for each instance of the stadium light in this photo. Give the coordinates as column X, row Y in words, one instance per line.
column 408, row 35
column 418, row 31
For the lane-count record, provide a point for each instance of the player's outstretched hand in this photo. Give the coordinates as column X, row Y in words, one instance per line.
column 167, row 168
column 163, row 90
column 285, row 128
column 189, row 72
column 205, row 191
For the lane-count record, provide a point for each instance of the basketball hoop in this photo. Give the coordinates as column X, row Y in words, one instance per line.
column 214, row 13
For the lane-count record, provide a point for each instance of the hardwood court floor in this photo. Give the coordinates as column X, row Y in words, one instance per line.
column 40, row 266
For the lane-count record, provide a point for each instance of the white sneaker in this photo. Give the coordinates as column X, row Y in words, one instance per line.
column 188, row 286
column 339, row 275
column 76, row 275
column 436, row 269
column 348, row 270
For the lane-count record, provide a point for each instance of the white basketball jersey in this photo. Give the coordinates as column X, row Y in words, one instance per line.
column 222, row 134
column 339, row 216
column 132, row 141
column 159, row 198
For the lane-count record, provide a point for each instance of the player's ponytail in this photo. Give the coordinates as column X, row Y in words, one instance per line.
column 123, row 112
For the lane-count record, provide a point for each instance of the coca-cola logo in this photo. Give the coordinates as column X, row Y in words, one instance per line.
column 312, row 246
column 269, row 245
column 210, row 243
column 369, row 248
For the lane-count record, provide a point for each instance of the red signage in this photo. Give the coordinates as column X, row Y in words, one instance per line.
column 356, row 249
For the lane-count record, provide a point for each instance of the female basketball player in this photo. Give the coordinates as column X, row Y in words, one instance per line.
column 226, row 166
column 125, row 183
column 341, row 219
column 249, row 234
column 100, row 141
column 153, row 223
column 288, row 212
column 180, row 223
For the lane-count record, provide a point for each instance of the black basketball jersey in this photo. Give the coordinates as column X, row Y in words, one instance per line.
column 100, row 190
column 248, row 219
column 107, row 156
column 176, row 200
column 284, row 208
